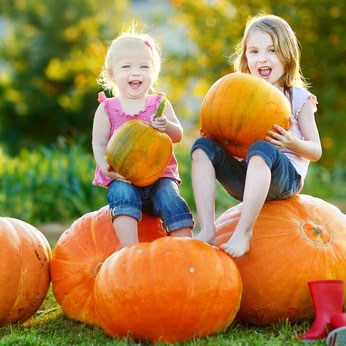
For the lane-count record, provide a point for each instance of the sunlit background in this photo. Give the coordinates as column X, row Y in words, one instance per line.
column 51, row 53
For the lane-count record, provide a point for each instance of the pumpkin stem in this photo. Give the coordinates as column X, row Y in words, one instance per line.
column 160, row 108
column 97, row 268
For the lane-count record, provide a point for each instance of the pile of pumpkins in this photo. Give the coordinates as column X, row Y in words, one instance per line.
column 173, row 289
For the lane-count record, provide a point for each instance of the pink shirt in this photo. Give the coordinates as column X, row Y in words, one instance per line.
column 117, row 117
column 299, row 97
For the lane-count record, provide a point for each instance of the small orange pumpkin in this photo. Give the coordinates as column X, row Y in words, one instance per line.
column 79, row 254
column 240, row 108
column 139, row 152
column 24, row 270
column 170, row 290
column 294, row 241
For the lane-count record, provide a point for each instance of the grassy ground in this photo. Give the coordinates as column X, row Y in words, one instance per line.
column 49, row 327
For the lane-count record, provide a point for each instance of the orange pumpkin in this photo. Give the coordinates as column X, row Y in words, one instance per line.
column 139, row 152
column 170, row 290
column 240, row 108
column 296, row 240
column 24, row 270
column 79, row 254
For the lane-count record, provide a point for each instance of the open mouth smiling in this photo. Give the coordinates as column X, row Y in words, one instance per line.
column 135, row 84
column 264, row 71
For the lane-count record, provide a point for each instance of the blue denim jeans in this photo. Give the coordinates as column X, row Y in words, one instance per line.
column 162, row 199
column 231, row 173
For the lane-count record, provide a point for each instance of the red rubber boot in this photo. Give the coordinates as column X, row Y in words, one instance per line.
column 327, row 298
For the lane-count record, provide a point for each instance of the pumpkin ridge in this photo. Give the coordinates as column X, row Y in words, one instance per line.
column 19, row 280
column 127, row 155
column 204, row 320
column 218, row 127
column 153, row 248
column 27, row 238
column 188, row 292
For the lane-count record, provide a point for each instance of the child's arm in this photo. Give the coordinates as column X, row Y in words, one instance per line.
column 168, row 123
column 100, row 136
column 309, row 147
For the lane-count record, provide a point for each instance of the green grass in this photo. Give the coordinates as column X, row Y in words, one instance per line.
column 49, row 327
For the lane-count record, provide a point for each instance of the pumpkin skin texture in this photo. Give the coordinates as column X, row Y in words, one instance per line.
column 139, row 152
column 294, row 241
column 24, row 270
column 240, row 108
column 170, row 290
column 79, row 254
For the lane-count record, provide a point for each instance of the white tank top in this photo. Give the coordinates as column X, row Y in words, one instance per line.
column 299, row 97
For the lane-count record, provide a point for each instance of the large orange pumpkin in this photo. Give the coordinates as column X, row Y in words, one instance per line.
column 296, row 240
column 139, row 152
column 24, row 270
column 172, row 289
column 79, row 254
column 240, row 108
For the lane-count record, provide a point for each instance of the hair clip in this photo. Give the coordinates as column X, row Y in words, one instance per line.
column 148, row 44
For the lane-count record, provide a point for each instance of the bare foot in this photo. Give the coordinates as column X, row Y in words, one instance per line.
column 238, row 245
column 208, row 237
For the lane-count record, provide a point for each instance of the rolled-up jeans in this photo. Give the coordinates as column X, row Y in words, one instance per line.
column 231, row 173
column 162, row 199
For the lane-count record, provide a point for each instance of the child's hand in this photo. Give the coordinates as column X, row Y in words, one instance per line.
column 159, row 123
column 282, row 138
column 110, row 172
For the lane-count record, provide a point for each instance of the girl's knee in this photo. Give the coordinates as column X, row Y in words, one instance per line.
column 262, row 151
column 261, row 146
column 199, row 154
column 257, row 159
column 203, row 149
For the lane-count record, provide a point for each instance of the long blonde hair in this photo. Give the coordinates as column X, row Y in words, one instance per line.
column 130, row 37
column 286, row 46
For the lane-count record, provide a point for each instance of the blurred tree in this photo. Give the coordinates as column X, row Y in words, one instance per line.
column 54, row 50
column 52, row 53
column 216, row 26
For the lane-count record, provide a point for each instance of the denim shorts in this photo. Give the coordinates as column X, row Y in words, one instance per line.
column 231, row 173
column 162, row 199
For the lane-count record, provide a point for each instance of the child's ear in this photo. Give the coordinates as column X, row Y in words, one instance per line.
column 111, row 75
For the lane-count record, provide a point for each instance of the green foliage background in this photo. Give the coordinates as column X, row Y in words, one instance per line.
column 53, row 51
column 319, row 26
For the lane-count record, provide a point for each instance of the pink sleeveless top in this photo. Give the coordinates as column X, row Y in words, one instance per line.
column 117, row 117
column 299, row 97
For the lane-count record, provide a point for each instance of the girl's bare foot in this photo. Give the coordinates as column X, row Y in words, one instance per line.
column 238, row 244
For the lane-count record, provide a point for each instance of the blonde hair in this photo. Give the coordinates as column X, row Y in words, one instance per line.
column 127, row 39
column 286, row 47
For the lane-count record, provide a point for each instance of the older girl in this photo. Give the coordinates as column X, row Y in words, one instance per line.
column 275, row 168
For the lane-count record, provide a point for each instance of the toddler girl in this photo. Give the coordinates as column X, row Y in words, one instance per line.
column 274, row 169
column 131, row 68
